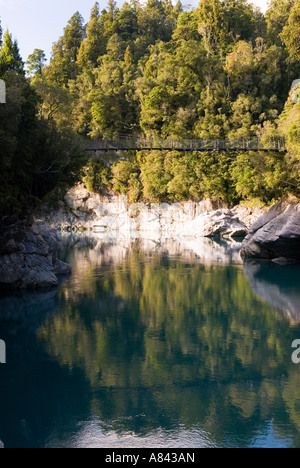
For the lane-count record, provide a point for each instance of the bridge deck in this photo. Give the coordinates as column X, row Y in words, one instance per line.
column 201, row 150
column 274, row 144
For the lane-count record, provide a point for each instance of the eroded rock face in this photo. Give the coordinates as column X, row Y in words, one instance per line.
column 220, row 223
column 249, row 215
column 28, row 257
column 276, row 235
column 83, row 210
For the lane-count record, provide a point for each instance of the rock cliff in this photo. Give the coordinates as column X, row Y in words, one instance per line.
column 275, row 235
column 220, row 223
column 28, row 256
column 81, row 209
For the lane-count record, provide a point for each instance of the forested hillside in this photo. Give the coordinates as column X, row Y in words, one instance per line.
column 36, row 155
column 224, row 70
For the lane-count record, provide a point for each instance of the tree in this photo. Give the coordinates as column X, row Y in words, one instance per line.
column 126, row 179
column 113, row 99
column 79, row 102
column 155, row 22
column 94, row 46
column 155, row 177
column 55, row 101
column 60, row 70
column 63, row 66
column 128, row 23
column 74, row 34
column 240, row 20
column 109, row 19
column 145, row 68
column 240, row 66
column 171, row 85
column 36, row 62
column 291, row 32
column 222, row 23
column 116, row 47
column 264, row 178
column 210, row 20
column 35, row 156
column 289, row 126
column 276, row 18
column 10, row 58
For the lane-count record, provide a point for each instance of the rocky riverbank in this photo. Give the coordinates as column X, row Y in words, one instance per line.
column 271, row 234
column 28, row 256
column 83, row 210
column 28, row 251
column 276, row 235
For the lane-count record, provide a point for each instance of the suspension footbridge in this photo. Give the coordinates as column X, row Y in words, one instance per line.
column 124, row 144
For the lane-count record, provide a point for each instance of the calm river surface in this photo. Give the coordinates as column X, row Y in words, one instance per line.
column 153, row 344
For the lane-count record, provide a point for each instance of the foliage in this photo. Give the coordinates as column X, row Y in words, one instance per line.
column 291, row 32
column 261, row 177
column 289, row 124
column 97, row 176
column 276, row 18
column 114, row 108
column 125, row 177
column 221, row 71
column 10, row 58
column 36, row 62
column 36, row 156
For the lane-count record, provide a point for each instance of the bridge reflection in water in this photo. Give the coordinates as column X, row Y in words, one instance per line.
column 274, row 144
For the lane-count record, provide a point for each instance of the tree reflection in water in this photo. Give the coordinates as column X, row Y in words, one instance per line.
column 162, row 346
column 163, row 335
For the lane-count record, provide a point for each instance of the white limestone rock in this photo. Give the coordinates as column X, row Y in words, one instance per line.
column 220, row 223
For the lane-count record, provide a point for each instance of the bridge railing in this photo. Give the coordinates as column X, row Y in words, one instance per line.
column 140, row 143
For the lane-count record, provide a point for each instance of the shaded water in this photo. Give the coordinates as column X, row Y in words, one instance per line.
column 153, row 345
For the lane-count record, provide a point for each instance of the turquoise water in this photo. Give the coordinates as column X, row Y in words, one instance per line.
column 153, row 345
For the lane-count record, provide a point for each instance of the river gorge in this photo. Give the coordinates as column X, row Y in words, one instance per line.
column 152, row 342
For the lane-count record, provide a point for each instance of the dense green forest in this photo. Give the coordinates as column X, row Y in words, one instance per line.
column 223, row 70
